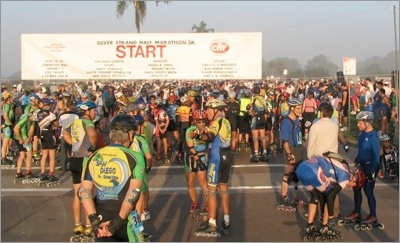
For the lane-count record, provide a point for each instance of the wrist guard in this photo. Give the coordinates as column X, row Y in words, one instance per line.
column 95, row 221
column 92, row 149
column 370, row 176
column 115, row 224
column 290, row 157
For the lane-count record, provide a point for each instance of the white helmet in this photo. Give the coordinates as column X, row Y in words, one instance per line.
column 365, row 116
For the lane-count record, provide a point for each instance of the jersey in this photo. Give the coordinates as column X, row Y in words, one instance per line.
column 183, row 112
column 258, row 103
column 140, row 145
column 199, row 145
column 233, row 110
column 221, row 128
column 110, row 169
column 243, row 102
column 291, row 131
column 80, row 139
column 7, row 109
column 23, row 124
column 172, row 111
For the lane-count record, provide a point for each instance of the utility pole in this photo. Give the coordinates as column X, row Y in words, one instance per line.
column 396, row 75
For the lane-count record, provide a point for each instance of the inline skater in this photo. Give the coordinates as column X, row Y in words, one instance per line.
column 219, row 168
column 196, row 160
column 244, row 120
column 389, row 158
column 6, row 127
column 111, row 208
column 82, row 136
column 232, row 114
column 292, row 144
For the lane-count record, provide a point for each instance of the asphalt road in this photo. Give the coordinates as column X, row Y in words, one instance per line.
column 35, row 214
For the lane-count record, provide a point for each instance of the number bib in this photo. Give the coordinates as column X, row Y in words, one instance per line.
column 135, row 227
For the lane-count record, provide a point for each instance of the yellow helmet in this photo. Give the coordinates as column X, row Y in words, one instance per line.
column 6, row 95
column 191, row 93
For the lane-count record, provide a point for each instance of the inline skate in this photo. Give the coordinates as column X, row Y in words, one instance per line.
column 53, row 181
column 328, row 233
column 311, row 233
column 78, row 233
column 254, row 158
column 147, row 237
column 285, row 206
column 30, row 178
column 351, row 219
column 88, row 234
column 369, row 223
column 203, row 215
column 207, row 230
column 43, row 180
column 265, row 156
column 11, row 155
column 247, row 146
column 225, row 228
column 18, row 178
column 7, row 164
column 194, row 208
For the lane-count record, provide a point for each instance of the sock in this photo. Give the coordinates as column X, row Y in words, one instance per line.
column 212, row 221
column 255, row 152
column 264, row 151
column 226, row 219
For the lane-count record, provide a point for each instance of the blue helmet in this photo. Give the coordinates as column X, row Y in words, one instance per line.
column 34, row 97
column 47, row 101
column 139, row 119
column 87, row 105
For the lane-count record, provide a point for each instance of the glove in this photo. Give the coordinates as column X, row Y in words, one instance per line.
column 92, row 149
column 95, row 220
column 346, row 148
column 370, row 176
column 115, row 224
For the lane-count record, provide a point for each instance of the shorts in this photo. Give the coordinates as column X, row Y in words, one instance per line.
column 298, row 155
column 172, row 126
column 309, row 116
column 345, row 111
column 7, row 132
column 258, row 122
column 23, row 148
column 75, row 166
column 219, row 172
column 194, row 166
column 36, row 130
column 244, row 125
column 268, row 123
column 234, row 123
column 48, row 139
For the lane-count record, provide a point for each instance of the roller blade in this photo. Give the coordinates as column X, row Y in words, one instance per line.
column 254, row 158
column 225, row 228
column 207, row 230
column 368, row 226
column 203, row 216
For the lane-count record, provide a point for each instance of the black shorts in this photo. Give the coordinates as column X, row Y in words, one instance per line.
column 75, row 166
column 309, row 116
column 258, row 122
column 244, row 125
column 234, row 123
column 36, row 131
column 172, row 126
column 20, row 146
column 48, row 139
column 268, row 123
column 345, row 111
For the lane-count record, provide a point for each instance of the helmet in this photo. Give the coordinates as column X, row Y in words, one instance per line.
column 47, row 101
column 358, row 178
column 286, row 95
column 124, row 123
column 232, row 94
column 256, row 89
column 87, row 105
column 215, row 104
column 35, row 115
column 143, row 90
column 34, row 97
column 384, row 137
column 365, row 116
column 191, row 93
column 310, row 92
column 199, row 114
column 324, row 98
column 139, row 119
column 294, row 102
column 6, row 95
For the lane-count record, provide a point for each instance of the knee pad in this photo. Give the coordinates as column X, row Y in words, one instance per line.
column 255, row 138
column 263, row 138
column 211, row 193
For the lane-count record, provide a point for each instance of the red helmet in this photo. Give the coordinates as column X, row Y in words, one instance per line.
column 199, row 114
column 286, row 95
column 358, row 178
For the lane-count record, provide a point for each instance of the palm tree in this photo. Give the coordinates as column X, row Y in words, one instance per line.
column 140, row 11
column 201, row 28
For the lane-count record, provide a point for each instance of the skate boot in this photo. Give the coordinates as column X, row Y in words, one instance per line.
column 147, row 237
column 352, row 218
column 36, row 158
column 247, row 146
column 254, row 158
column 145, row 216
column 369, row 223
column 88, row 235
column 53, row 181
column 207, row 230
column 78, row 233
column 30, row 178
column 7, row 164
column 11, row 155
column 285, row 205
column 239, row 147
column 193, row 209
column 18, row 178
column 203, row 215
column 264, row 157
column 225, row 227
column 328, row 234
column 311, row 233
column 43, row 180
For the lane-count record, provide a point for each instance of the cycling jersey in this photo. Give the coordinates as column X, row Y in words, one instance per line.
column 80, row 139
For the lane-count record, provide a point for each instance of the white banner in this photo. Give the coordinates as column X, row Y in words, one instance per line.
column 142, row 56
column 349, row 66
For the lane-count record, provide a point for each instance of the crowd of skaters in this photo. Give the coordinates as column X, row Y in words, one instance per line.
column 167, row 109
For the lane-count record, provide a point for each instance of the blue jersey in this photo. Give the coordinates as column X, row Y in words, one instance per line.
column 171, row 110
column 368, row 151
column 291, row 131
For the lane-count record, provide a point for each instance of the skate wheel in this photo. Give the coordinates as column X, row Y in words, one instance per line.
column 25, row 182
column 369, row 227
column 340, row 222
column 363, row 227
column 381, row 226
column 357, row 227
column 306, row 239
column 318, row 239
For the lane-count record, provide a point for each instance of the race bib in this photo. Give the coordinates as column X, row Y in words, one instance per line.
column 135, row 227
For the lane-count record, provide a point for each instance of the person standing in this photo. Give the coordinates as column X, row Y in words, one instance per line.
column 219, row 167
column 292, row 145
column 115, row 175
column 367, row 161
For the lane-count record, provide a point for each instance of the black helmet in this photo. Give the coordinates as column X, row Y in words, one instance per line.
column 256, row 89
column 123, row 122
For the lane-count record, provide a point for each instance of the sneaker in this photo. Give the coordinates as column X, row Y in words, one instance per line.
column 145, row 216
column 352, row 216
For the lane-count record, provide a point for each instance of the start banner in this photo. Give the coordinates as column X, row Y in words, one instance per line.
column 142, row 56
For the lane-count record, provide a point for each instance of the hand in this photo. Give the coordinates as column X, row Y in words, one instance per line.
column 192, row 134
column 346, row 148
column 103, row 230
column 21, row 141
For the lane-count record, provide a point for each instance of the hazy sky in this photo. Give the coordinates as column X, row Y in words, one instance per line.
column 299, row 30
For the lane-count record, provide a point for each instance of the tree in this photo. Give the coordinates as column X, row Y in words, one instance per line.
column 140, row 11
column 277, row 65
column 201, row 28
column 320, row 67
